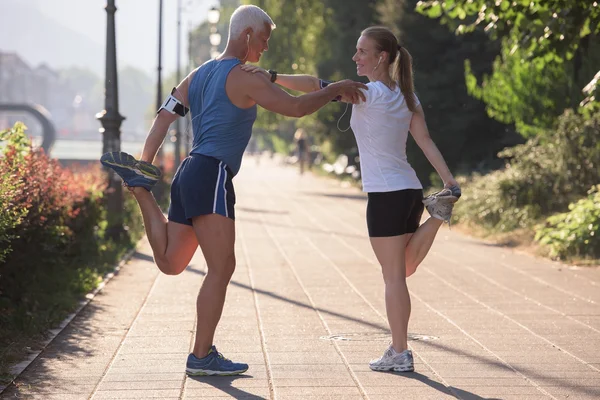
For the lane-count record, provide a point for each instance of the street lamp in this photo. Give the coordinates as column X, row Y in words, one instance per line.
column 215, row 37
column 213, row 15
column 111, row 120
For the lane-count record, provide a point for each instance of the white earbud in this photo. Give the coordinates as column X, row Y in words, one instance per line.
column 378, row 62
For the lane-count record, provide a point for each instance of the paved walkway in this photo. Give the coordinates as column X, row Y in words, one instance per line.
column 305, row 309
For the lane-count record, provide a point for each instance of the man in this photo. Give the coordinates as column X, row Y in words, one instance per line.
column 223, row 100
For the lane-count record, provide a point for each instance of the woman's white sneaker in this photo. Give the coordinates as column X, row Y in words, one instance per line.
column 394, row 361
column 440, row 204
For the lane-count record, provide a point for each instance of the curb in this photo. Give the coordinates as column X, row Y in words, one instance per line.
column 17, row 369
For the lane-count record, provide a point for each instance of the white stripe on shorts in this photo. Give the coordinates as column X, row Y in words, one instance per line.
column 217, row 189
column 225, row 192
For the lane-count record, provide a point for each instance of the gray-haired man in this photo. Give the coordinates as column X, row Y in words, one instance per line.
column 222, row 99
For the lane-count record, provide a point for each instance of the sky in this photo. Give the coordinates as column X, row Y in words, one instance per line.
column 82, row 26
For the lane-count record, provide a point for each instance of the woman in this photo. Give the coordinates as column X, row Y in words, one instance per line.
column 395, row 196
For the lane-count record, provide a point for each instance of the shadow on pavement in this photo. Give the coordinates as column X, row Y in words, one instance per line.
column 453, row 391
column 69, row 345
column 295, row 227
column 548, row 381
column 224, row 383
column 297, row 303
column 261, row 211
column 362, row 198
column 142, row 256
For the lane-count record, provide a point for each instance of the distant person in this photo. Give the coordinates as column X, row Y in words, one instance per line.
column 222, row 99
column 301, row 149
column 395, row 196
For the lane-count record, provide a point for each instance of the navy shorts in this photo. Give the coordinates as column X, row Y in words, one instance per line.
column 394, row 213
column 202, row 185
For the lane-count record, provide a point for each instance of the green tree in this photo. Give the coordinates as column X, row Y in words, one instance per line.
column 344, row 22
column 549, row 53
column 292, row 49
column 458, row 123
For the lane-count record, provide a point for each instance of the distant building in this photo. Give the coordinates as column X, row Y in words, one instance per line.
column 14, row 78
column 22, row 84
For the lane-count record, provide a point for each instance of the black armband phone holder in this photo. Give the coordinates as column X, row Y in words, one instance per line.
column 173, row 105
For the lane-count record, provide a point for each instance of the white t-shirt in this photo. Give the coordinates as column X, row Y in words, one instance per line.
column 381, row 125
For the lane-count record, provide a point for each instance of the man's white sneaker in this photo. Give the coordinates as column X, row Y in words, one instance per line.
column 394, row 361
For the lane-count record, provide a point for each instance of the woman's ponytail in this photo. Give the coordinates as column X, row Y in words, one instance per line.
column 402, row 74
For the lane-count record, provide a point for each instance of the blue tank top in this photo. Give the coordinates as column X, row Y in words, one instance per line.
column 221, row 129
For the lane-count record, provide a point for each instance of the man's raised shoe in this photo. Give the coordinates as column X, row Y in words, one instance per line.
column 133, row 172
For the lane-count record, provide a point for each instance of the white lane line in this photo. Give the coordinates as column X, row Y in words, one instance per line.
column 116, row 354
column 500, row 313
column 261, row 330
column 501, row 286
column 370, row 261
column 313, row 305
column 355, row 289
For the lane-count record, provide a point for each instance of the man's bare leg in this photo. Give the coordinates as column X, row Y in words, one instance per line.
column 216, row 236
column 173, row 244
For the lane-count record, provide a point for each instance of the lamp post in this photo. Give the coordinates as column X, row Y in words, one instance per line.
column 177, row 143
column 159, row 98
column 111, row 125
column 158, row 190
column 186, row 137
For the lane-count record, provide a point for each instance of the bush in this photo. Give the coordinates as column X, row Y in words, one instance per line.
column 11, row 213
column 52, row 236
column 574, row 233
column 540, row 178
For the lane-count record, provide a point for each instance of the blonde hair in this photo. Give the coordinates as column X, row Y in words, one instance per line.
column 248, row 17
column 400, row 60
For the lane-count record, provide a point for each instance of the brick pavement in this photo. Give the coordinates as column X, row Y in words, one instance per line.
column 305, row 309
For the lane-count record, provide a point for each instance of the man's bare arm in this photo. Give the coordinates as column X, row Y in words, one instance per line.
column 272, row 98
column 300, row 83
column 163, row 120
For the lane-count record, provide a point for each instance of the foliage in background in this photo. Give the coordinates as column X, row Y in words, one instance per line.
column 458, row 124
column 319, row 37
column 293, row 48
column 52, row 231
column 540, row 178
column 549, row 53
column 11, row 213
column 575, row 233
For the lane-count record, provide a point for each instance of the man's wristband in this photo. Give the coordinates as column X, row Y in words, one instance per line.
column 273, row 75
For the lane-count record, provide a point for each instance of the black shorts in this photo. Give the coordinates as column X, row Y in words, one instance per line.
column 394, row 213
column 202, row 185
